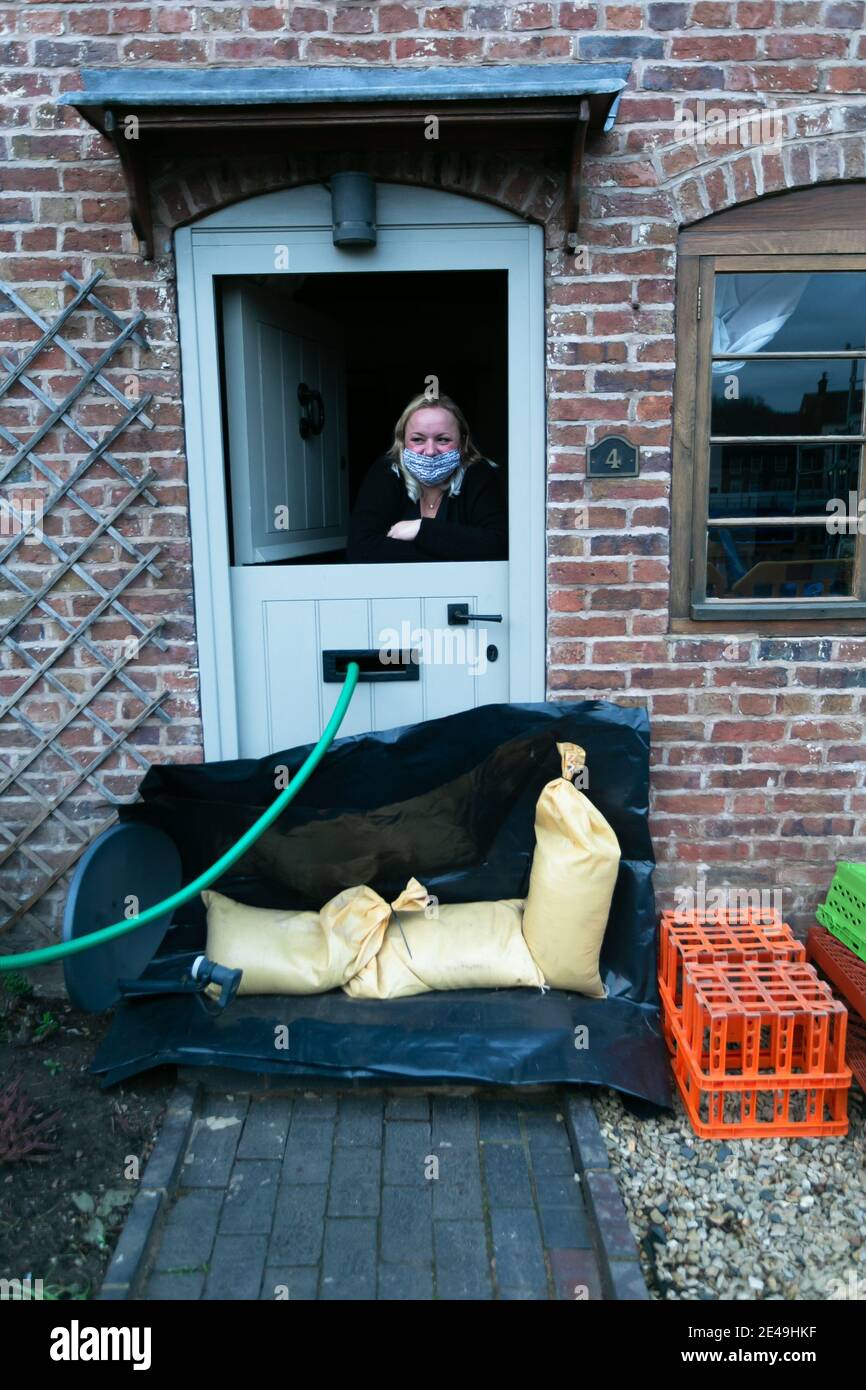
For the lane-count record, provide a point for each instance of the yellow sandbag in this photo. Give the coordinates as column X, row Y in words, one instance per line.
column 571, row 885
column 296, row 952
column 456, row 946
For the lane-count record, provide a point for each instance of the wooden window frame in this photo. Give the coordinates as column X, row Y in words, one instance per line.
column 702, row 253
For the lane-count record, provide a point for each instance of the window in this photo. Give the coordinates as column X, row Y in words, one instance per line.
column 769, row 491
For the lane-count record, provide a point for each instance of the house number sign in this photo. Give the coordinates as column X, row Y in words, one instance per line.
column 613, row 457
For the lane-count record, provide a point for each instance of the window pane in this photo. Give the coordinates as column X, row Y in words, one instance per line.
column 794, row 562
column 781, row 479
column 818, row 396
column 789, row 311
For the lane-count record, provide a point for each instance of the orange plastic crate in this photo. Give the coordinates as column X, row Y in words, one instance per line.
column 856, row 1054
column 709, row 943
column 760, row 1051
column 765, row 1111
column 847, row 976
column 840, row 965
column 743, row 917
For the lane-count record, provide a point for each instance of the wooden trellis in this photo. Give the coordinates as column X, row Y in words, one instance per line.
column 45, row 665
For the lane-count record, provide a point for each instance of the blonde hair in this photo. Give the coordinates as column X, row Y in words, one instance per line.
column 469, row 453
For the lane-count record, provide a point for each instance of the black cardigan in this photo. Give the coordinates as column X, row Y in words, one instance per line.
column 471, row 526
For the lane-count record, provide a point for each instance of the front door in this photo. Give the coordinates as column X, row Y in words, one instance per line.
column 272, row 631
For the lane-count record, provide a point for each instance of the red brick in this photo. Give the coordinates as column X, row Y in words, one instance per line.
column 805, row 46
column 130, row 21
column 567, row 653
column 583, row 626
column 441, row 17
column 825, row 730
column 302, row 17
column 36, row 22
column 715, row 49
column 456, row 49
column 669, row 704
column 650, row 572
column 173, row 20
column 653, row 408
column 641, row 543
column 577, row 16
column 626, row 653
column 565, row 490
column 559, row 543
column 756, row 704
column 169, row 51
column 748, row 731
column 755, row 14
column 772, row 78
column 486, row 16
column 349, row 20
column 258, row 49
column 531, row 16
column 624, row 599
column 566, row 600
column 669, row 779
column 585, row 572
column 844, row 753
column 757, row 676
column 587, row 408
column 848, row 79
column 89, row 21
column 623, row 17
column 577, row 682
column 712, row 16
column 267, row 17
column 702, row 852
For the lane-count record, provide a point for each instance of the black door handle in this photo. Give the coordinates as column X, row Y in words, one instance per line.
column 312, row 419
column 459, row 616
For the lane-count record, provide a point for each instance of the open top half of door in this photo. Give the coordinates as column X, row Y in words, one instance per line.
column 285, row 406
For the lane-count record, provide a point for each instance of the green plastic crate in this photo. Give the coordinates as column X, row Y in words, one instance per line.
column 844, row 912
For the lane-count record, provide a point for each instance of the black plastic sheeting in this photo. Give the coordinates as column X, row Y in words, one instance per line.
column 452, row 802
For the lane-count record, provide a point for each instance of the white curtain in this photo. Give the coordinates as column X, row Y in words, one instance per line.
column 750, row 310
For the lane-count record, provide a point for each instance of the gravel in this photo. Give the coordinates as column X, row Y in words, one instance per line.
column 767, row 1219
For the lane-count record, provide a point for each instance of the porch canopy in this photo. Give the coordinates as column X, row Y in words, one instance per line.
column 181, row 113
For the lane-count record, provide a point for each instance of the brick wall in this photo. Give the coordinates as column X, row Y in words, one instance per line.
column 758, row 772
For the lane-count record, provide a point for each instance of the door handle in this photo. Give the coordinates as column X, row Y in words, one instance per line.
column 312, row 419
column 459, row 616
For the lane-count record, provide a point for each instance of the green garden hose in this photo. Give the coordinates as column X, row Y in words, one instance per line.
column 183, row 895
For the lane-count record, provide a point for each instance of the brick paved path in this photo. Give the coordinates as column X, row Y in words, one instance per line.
column 363, row 1196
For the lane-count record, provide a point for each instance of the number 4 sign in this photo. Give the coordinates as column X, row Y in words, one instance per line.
column 612, row 457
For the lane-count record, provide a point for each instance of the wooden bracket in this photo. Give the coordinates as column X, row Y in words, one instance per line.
column 135, row 177
column 573, row 180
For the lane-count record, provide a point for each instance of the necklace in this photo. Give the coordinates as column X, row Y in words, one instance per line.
column 433, row 506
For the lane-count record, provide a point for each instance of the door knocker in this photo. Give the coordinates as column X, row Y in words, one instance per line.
column 312, row 419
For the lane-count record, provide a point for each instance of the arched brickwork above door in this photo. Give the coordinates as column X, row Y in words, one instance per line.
column 811, row 145
column 530, row 188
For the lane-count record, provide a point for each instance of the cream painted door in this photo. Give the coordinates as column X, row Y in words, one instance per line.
column 268, row 633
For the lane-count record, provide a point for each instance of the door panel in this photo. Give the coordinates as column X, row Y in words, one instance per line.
column 289, row 493
column 283, row 698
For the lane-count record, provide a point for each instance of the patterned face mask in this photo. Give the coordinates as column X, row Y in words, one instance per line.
column 431, row 471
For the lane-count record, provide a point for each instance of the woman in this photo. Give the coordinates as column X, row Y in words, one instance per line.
column 431, row 496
